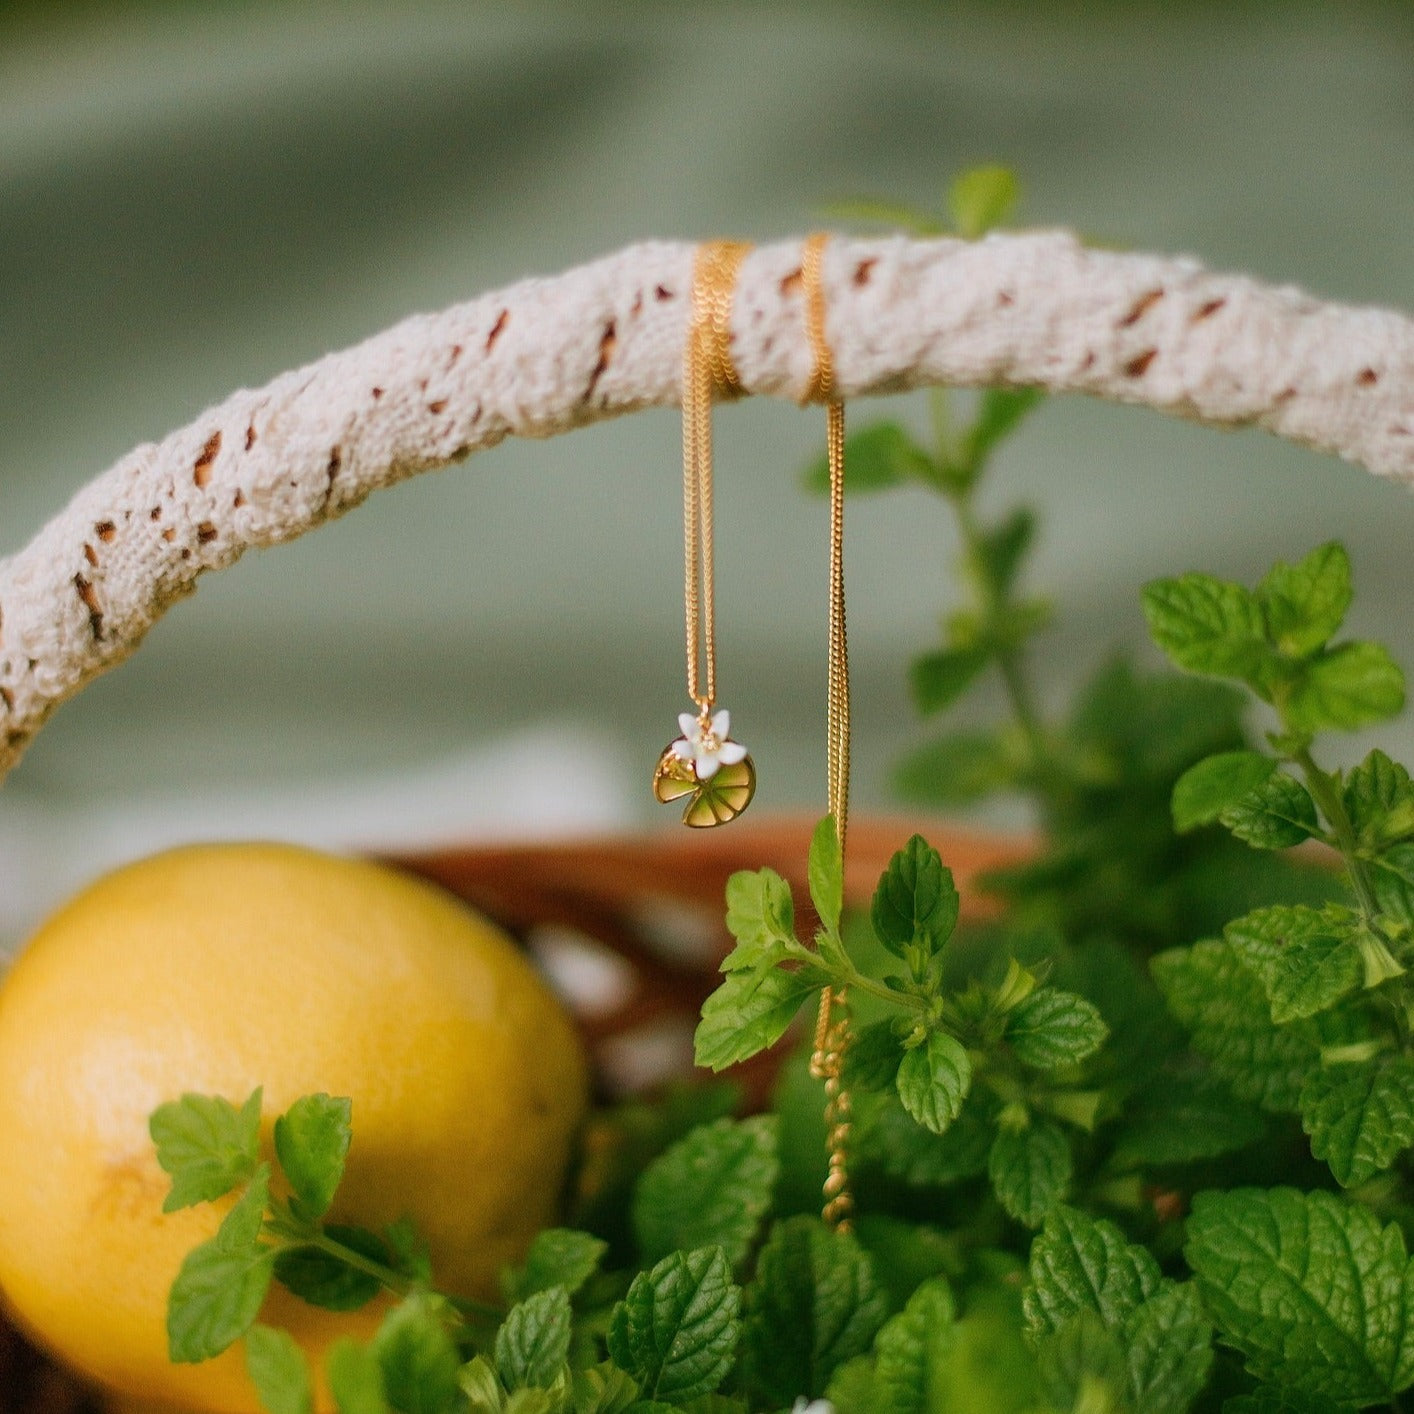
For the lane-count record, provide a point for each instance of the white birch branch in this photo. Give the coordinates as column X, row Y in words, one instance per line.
column 548, row 355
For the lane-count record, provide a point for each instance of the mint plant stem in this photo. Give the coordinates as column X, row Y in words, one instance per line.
column 992, row 604
column 850, row 976
column 396, row 1282
column 399, row 1284
column 1327, row 797
column 294, row 1233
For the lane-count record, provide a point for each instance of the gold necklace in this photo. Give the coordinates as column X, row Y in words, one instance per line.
column 704, row 764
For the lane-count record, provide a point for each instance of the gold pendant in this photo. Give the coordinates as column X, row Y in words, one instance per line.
column 706, row 765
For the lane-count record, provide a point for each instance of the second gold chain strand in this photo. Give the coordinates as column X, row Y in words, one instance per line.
column 832, row 1025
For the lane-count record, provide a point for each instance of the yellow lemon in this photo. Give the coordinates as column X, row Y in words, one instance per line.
column 217, row 969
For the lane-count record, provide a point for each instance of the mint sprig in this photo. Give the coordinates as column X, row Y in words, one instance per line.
column 222, row 1284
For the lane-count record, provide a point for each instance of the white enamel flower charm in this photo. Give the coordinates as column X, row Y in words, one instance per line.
column 705, row 764
column 707, row 743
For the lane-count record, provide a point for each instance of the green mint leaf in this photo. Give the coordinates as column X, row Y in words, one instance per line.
column 1313, row 973
column 312, row 1142
column 221, row 1284
column 1014, row 623
column 1307, row 959
column 876, row 457
column 1360, row 1117
column 747, row 1013
column 207, row 1145
column 1208, row 625
column 482, row 1386
column 907, row 1254
column 1379, row 798
column 981, row 199
column 552, row 1401
column 815, row 1304
column 1052, row 1028
column 1276, row 814
column 711, row 1189
column 604, row 1389
column 1215, row 784
column 417, row 1357
column 407, row 1251
column 1273, row 1399
column 1155, row 1359
column 1309, row 1288
column 559, row 1256
column 1351, row 686
column 1225, row 1009
column 533, row 1342
column 1181, row 1119
column 677, row 1329
column 1306, row 604
column 355, row 1378
column 703, row 1404
column 988, row 1364
column 1153, row 726
column 1030, row 1170
column 908, row 1350
column 872, row 1060
column 278, row 1370
column 324, row 1279
column 852, row 1389
column 916, row 900
column 760, row 916
column 1000, row 550
column 933, row 1080
column 1392, row 876
column 1083, row 1366
column 241, row 1227
column 1168, row 1350
column 826, row 873
column 956, row 770
column 1083, row 1264
column 938, row 679
column 904, row 1149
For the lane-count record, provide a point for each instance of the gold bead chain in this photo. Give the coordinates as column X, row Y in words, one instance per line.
column 832, row 1028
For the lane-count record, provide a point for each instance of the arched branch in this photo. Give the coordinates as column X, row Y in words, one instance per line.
column 548, row 355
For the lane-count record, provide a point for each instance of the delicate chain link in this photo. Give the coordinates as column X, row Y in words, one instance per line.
column 707, row 372
column 832, row 1028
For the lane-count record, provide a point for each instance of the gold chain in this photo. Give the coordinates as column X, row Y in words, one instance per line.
column 707, row 372
column 832, row 1029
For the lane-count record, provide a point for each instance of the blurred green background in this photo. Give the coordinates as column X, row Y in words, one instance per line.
column 195, row 197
